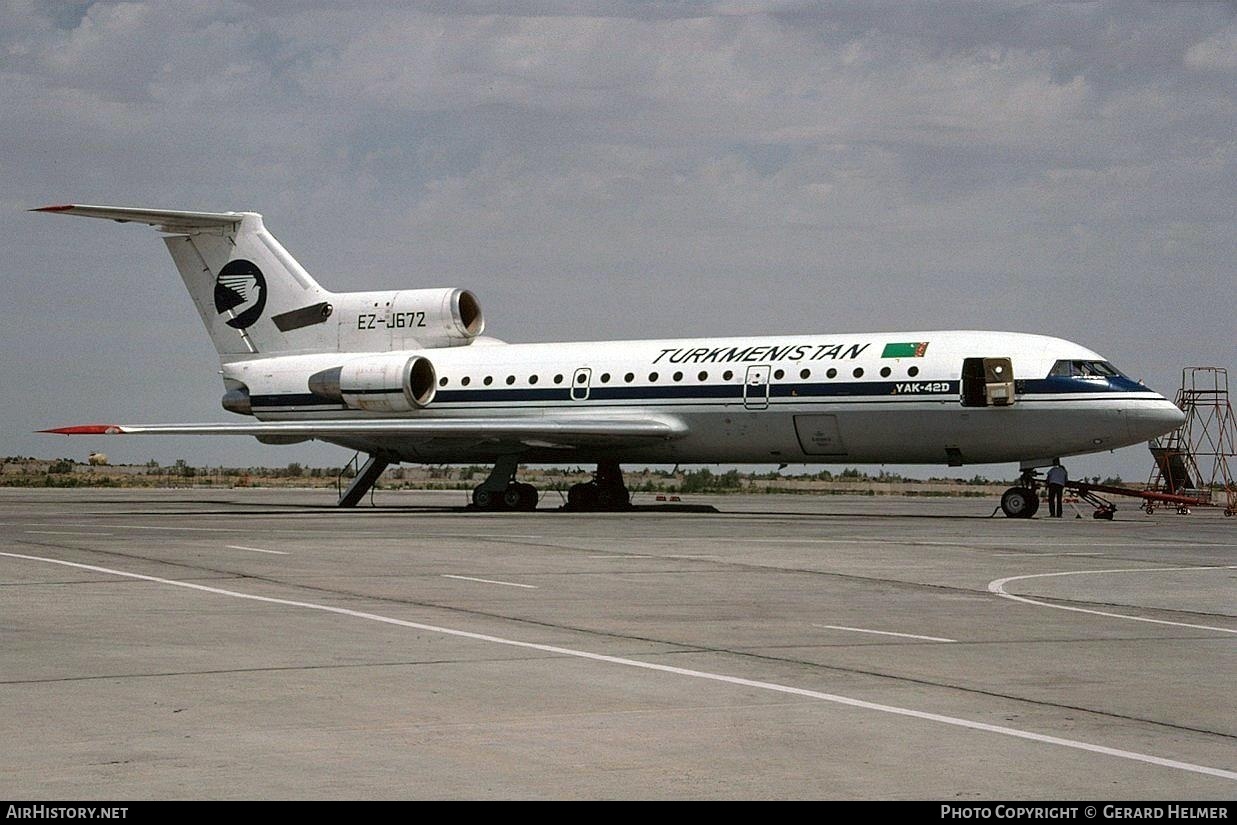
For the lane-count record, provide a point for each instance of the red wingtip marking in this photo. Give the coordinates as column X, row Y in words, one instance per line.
column 86, row 429
column 64, row 208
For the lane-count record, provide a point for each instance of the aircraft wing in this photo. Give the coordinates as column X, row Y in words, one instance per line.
column 539, row 431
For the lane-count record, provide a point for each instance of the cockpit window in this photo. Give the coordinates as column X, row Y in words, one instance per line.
column 1084, row 369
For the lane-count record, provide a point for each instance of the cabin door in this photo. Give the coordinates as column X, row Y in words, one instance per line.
column 756, row 387
column 987, row 382
column 580, row 383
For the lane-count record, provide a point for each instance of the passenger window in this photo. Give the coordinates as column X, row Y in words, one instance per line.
column 703, row 376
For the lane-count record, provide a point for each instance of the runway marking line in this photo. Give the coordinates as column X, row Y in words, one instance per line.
column 64, row 533
column 623, row 556
column 882, row 632
column 997, row 587
column 488, row 581
column 1032, row 554
column 255, row 549
column 670, row 669
column 993, row 541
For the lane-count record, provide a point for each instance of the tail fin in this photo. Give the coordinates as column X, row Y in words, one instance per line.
column 252, row 295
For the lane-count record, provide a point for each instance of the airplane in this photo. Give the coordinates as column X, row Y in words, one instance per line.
column 407, row 376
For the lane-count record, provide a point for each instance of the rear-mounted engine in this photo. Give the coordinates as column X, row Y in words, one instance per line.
column 391, row 383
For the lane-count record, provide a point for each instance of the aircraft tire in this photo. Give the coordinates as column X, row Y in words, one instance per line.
column 613, row 496
column 526, row 497
column 513, row 497
column 582, row 496
column 1017, row 502
column 484, row 499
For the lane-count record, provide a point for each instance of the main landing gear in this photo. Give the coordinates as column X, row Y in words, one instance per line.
column 502, row 492
column 1021, row 501
column 605, row 492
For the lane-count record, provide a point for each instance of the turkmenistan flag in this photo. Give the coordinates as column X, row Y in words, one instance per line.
column 910, row 350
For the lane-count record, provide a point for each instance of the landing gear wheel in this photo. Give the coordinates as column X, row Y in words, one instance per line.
column 484, row 499
column 605, row 492
column 520, row 497
column 1019, row 502
column 610, row 497
column 582, row 496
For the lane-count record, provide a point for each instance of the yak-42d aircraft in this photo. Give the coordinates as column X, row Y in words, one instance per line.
column 407, row 376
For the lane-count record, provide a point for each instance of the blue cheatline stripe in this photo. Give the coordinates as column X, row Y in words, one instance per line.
column 668, row 391
column 498, row 394
column 1082, row 385
column 688, row 391
column 373, row 391
column 305, row 399
column 858, row 390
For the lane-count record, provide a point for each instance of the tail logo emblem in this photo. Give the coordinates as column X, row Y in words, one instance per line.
column 240, row 291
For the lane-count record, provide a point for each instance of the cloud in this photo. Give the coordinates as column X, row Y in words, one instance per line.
column 1218, row 52
column 645, row 169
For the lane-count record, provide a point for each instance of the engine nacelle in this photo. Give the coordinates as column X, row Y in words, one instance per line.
column 434, row 314
column 409, row 319
column 386, row 383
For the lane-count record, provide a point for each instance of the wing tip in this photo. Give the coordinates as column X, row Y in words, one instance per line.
column 85, row 429
column 60, row 208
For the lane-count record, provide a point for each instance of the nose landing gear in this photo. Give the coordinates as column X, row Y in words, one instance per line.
column 1020, row 502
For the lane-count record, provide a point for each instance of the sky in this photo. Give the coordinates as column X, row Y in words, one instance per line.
column 598, row 170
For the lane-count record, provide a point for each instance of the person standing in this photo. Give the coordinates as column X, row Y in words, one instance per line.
column 1057, row 477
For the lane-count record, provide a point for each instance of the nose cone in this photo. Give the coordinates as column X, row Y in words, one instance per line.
column 1157, row 418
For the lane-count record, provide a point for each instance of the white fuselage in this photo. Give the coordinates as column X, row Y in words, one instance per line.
column 855, row 398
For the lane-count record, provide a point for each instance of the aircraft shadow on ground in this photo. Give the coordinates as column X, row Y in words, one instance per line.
column 229, row 508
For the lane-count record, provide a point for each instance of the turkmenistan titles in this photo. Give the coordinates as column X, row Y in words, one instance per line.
column 915, row 349
column 752, row 354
